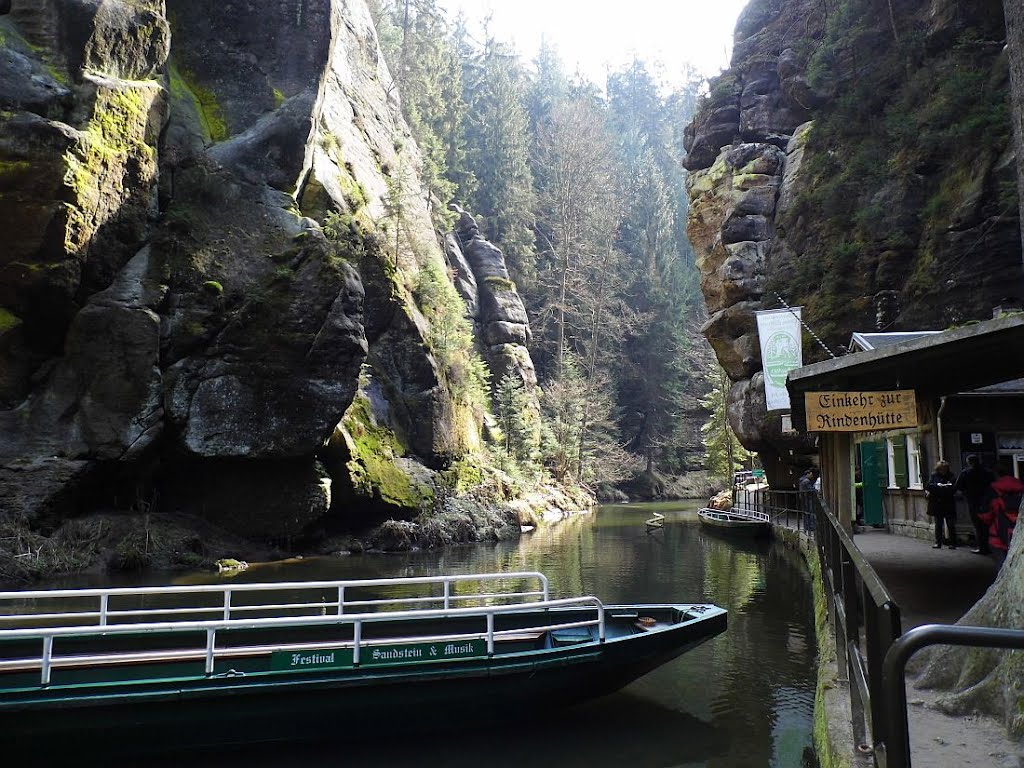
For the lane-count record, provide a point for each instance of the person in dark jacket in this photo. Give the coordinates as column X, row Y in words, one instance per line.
column 941, row 492
column 1001, row 516
column 975, row 483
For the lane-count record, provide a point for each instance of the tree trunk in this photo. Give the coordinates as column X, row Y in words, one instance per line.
column 1014, row 13
column 982, row 679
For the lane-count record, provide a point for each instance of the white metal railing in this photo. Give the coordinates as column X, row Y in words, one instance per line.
column 752, row 514
column 48, row 660
column 103, row 614
column 658, row 521
column 107, row 619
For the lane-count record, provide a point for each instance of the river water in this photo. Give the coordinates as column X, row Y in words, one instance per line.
column 742, row 700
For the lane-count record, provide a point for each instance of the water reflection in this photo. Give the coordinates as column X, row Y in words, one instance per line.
column 744, row 699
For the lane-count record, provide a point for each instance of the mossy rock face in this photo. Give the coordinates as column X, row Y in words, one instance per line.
column 897, row 210
column 29, row 79
column 240, row 62
column 897, row 164
column 80, row 201
column 276, row 380
column 374, row 464
column 191, row 99
column 77, row 161
column 126, row 38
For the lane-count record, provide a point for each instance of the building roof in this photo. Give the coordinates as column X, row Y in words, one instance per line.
column 933, row 364
column 863, row 342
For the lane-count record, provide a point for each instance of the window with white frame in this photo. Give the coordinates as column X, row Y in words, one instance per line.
column 914, row 463
column 890, row 461
column 903, row 460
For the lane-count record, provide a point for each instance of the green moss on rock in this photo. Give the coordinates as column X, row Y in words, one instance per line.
column 499, row 283
column 8, row 321
column 13, row 168
column 185, row 87
column 372, row 468
column 465, row 474
column 113, row 141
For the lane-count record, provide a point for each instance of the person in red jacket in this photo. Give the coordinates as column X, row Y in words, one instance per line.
column 1001, row 516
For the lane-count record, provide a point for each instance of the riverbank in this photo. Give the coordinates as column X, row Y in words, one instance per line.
column 139, row 539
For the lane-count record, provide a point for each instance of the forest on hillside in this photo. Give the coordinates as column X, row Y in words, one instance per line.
column 582, row 187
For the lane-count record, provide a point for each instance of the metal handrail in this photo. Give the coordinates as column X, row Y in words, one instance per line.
column 870, row 647
column 866, row 621
column 896, row 751
column 658, row 521
column 104, row 614
column 789, row 509
column 48, row 634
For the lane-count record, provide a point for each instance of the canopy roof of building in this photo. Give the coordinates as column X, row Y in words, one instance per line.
column 934, row 365
column 861, row 342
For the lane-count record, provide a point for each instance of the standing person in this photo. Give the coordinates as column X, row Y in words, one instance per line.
column 975, row 483
column 807, row 493
column 858, row 494
column 1001, row 516
column 941, row 493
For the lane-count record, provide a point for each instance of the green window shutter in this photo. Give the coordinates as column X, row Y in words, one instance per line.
column 899, row 458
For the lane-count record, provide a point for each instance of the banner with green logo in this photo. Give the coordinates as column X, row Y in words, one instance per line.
column 781, row 352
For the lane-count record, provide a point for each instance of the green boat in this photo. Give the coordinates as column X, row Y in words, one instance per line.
column 198, row 666
column 746, row 523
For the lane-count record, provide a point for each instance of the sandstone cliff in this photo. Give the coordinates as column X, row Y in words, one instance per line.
column 859, row 163
column 219, row 282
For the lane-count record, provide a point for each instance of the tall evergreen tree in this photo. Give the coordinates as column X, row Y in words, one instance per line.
column 725, row 454
column 425, row 63
column 549, row 87
column 499, row 144
column 579, row 216
column 660, row 285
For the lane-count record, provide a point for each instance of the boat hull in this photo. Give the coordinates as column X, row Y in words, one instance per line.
column 195, row 712
column 735, row 525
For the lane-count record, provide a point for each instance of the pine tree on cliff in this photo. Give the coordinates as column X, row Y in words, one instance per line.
column 498, row 140
column 424, row 60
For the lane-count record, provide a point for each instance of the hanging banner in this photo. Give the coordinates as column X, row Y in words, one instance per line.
column 781, row 352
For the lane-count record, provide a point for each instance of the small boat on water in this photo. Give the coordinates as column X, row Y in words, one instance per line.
column 135, row 668
column 736, row 522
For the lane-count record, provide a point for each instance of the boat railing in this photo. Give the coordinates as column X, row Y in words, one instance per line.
column 111, row 606
column 753, row 514
column 49, row 659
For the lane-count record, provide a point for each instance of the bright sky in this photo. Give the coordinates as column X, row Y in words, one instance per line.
column 600, row 34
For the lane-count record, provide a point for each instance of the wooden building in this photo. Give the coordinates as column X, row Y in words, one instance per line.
column 967, row 389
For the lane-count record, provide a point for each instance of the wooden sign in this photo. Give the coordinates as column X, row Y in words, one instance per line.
column 860, row 411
